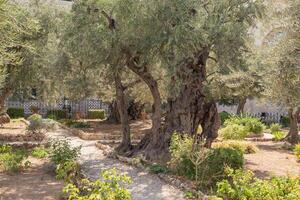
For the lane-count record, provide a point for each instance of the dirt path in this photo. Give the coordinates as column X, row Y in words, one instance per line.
column 35, row 183
column 144, row 187
column 272, row 160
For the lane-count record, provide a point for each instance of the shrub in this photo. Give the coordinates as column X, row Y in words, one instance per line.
column 252, row 124
column 205, row 165
column 109, row 186
column 13, row 161
column 285, row 121
column 96, row 114
column 56, row 114
column 15, row 113
column 224, row 116
column 36, row 123
column 34, row 117
column 5, row 148
column 61, row 151
column 243, row 146
column 158, row 169
column 67, row 171
column 74, row 124
column 275, row 127
column 39, row 152
column 244, row 185
column 278, row 135
column 213, row 168
column 234, row 132
column 297, row 150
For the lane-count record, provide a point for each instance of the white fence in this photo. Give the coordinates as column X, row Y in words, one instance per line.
column 82, row 106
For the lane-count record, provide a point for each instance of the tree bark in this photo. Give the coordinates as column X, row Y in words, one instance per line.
column 5, row 92
column 241, row 106
column 125, row 145
column 293, row 135
column 114, row 116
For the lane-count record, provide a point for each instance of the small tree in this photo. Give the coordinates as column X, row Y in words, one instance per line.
column 284, row 76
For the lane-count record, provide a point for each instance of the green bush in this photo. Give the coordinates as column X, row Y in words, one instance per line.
column 96, row 114
column 67, row 171
column 75, row 124
column 275, row 127
column 158, row 169
column 61, row 151
column 224, row 116
column 243, row 185
column 13, row 161
column 213, row 168
column 285, row 121
column 56, row 114
column 278, row 135
column 297, row 151
column 39, row 152
column 243, row 146
column 34, row 117
column 207, row 166
column 15, row 113
column 233, row 132
column 252, row 124
column 37, row 123
column 109, row 186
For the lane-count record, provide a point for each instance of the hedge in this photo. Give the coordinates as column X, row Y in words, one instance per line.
column 15, row 112
column 57, row 114
column 96, row 114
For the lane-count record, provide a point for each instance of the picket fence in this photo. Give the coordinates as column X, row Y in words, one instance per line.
column 82, row 106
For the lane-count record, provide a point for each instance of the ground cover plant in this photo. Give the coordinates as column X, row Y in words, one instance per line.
column 239, row 127
column 243, row 185
column 206, row 166
column 243, row 146
column 13, row 160
column 297, row 150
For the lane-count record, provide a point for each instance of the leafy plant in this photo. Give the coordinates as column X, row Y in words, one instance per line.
column 205, row 165
column 233, row 132
column 96, row 114
column 37, row 123
column 297, row 150
column 34, row 117
column 66, row 171
column 56, row 114
column 158, row 169
column 224, row 116
column 252, row 124
column 275, row 127
column 285, row 121
column 109, row 186
column 243, row 185
column 61, row 151
column 15, row 113
column 278, row 135
column 243, row 146
column 4, row 148
column 39, row 152
column 74, row 124
column 13, row 161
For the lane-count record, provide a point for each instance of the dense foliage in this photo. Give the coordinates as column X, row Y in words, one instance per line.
column 111, row 185
column 243, row 185
column 206, row 166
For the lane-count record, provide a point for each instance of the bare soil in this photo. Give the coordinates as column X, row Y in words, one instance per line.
column 15, row 127
column 35, row 183
column 272, row 159
column 102, row 130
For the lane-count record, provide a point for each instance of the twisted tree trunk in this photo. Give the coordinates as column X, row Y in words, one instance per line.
column 5, row 92
column 122, row 109
column 241, row 106
column 293, row 135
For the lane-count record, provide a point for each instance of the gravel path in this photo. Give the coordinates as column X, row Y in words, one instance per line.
column 145, row 186
column 271, row 159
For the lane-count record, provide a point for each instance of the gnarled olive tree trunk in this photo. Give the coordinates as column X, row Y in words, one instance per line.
column 241, row 106
column 4, row 94
column 185, row 112
column 122, row 109
column 293, row 135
